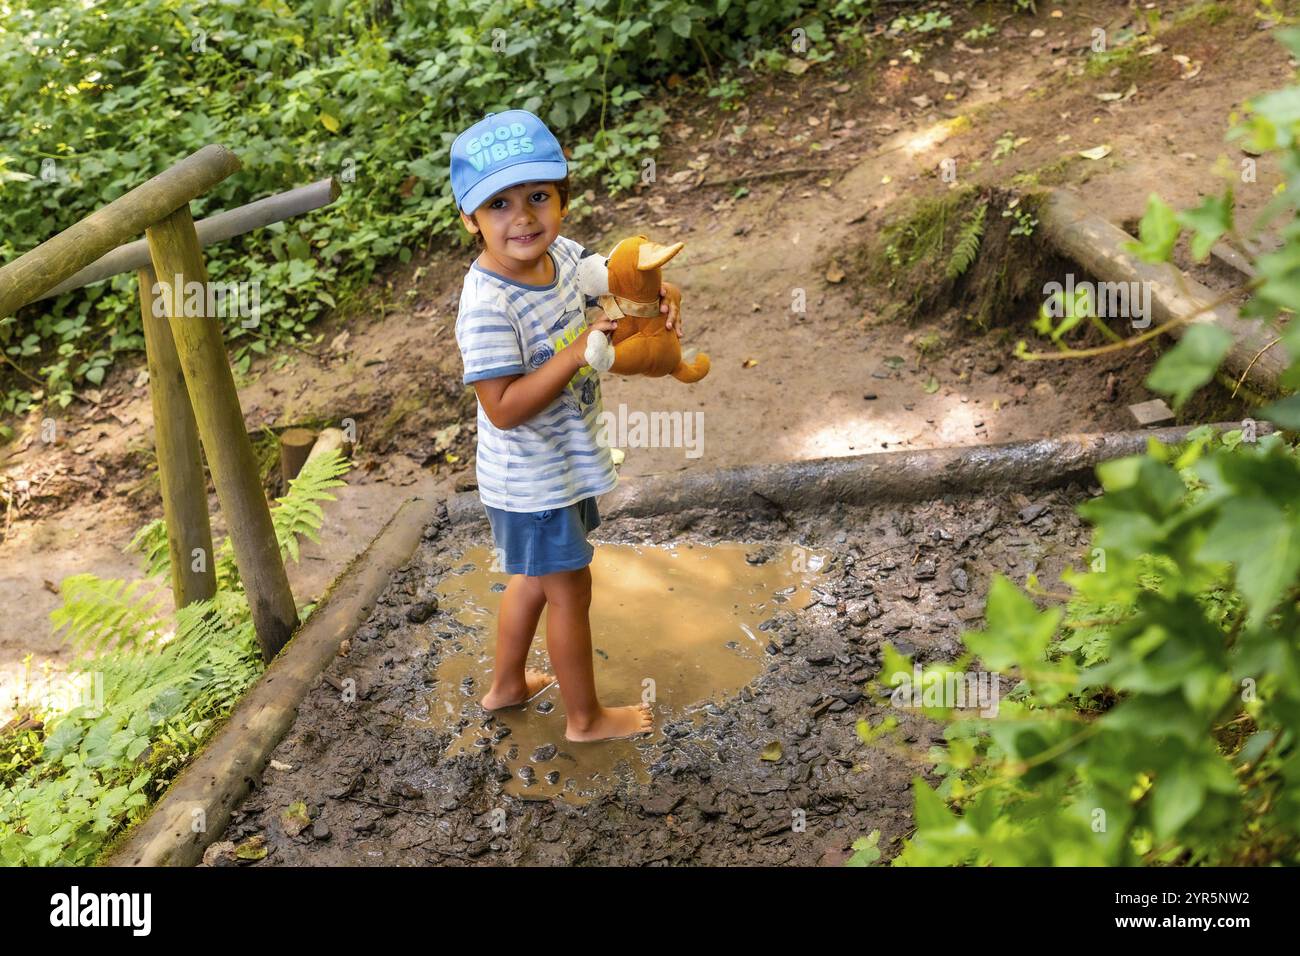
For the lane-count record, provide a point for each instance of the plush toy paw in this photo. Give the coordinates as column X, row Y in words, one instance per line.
column 599, row 353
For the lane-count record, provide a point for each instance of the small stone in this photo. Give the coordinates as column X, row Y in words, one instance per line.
column 1031, row 512
column 859, row 612
column 544, row 753
column 421, row 611
column 320, row 830
column 960, row 579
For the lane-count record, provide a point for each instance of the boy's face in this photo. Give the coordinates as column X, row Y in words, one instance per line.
column 519, row 224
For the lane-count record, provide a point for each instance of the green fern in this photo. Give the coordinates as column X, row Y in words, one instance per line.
column 297, row 514
column 158, row 681
column 151, row 542
column 99, row 614
column 968, row 242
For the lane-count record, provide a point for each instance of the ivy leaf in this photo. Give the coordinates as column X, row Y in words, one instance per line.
column 1178, row 795
column 1191, row 363
column 1262, row 542
column 1017, row 633
column 1285, row 412
column 329, row 122
column 681, row 25
column 1157, row 232
column 1208, row 221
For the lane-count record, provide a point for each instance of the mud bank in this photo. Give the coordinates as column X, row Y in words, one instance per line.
column 381, row 785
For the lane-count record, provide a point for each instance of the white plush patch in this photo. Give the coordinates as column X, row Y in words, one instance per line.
column 593, row 276
column 599, row 353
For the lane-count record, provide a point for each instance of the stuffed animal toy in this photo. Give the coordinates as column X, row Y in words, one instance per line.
column 642, row 343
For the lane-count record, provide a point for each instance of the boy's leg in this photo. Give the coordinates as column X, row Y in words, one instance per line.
column 521, row 609
column 568, row 639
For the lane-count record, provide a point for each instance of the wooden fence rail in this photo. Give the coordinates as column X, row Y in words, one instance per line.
column 34, row 273
column 192, row 388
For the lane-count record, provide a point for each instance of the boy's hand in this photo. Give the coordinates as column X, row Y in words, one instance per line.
column 579, row 345
column 670, row 301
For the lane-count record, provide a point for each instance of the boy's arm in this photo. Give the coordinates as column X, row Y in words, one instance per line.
column 511, row 400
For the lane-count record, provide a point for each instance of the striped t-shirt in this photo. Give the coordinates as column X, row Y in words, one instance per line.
column 508, row 328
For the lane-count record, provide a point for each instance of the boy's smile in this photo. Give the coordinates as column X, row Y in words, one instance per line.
column 518, row 226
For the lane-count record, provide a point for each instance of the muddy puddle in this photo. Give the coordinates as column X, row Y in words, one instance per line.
column 673, row 626
column 755, row 758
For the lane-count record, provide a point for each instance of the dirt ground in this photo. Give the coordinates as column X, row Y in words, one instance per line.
column 856, row 137
column 379, row 785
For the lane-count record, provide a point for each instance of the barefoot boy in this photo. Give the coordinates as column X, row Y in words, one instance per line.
column 522, row 332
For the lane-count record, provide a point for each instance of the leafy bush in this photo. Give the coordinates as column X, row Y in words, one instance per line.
column 146, row 692
column 96, row 98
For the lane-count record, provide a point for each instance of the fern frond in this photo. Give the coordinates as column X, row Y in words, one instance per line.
column 151, row 542
column 297, row 514
column 968, row 242
column 100, row 613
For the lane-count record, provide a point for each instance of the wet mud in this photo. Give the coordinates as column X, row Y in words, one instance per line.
column 755, row 759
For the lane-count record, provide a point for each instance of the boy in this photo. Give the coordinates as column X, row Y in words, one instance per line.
column 522, row 334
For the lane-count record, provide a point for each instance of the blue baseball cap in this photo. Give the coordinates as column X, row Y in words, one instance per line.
column 503, row 150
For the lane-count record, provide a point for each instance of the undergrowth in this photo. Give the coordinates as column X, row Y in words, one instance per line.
column 93, row 748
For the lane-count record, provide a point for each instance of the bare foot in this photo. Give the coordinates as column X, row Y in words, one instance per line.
column 534, row 683
column 614, row 722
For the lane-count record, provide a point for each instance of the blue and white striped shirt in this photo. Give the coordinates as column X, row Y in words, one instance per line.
column 508, row 328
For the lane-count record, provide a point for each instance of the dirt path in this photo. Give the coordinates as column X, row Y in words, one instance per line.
column 785, row 385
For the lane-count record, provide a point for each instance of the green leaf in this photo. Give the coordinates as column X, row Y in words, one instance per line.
column 1285, row 412
column 1017, row 633
column 1157, row 232
column 1263, row 543
column 1208, row 221
column 1178, row 795
column 681, row 25
column 1191, row 363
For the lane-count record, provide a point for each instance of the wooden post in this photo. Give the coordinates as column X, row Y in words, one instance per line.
column 295, row 446
column 176, row 437
column 178, row 258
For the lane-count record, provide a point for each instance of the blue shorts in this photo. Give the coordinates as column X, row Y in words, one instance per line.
column 544, row 542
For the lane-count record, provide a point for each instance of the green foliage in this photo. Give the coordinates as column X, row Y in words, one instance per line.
column 1178, row 743
column 1155, row 717
column 148, row 689
column 967, row 244
column 298, row 514
column 926, row 22
column 97, row 98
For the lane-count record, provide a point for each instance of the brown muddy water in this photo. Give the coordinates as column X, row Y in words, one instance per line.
column 671, row 626
column 754, row 759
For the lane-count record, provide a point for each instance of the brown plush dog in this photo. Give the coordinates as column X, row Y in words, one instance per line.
column 642, row 343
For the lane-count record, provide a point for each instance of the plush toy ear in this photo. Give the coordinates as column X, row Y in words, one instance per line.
column 652, row 255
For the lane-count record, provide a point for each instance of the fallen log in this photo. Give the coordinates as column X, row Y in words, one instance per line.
column 1097, row 246
column 893, row 476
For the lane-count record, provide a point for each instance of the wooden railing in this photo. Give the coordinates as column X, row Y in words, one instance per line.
column 191, row 385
